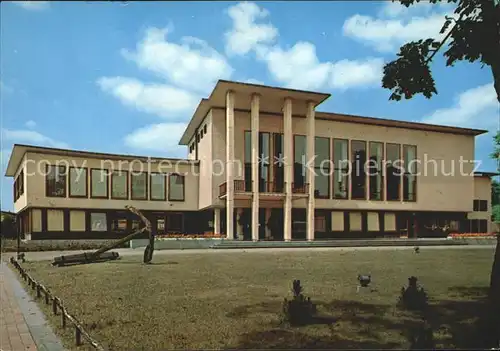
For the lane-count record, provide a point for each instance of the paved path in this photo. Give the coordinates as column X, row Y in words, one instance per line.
column 22, row 325
column 49, row 255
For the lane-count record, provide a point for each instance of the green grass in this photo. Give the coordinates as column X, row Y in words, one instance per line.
column 233, row 300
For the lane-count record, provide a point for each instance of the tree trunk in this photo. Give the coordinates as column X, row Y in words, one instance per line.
column 493, row 333
column 495, row 69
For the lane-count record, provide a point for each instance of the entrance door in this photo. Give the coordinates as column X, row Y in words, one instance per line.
column 276, row 224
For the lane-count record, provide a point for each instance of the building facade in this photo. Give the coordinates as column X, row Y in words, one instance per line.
column 263, row 164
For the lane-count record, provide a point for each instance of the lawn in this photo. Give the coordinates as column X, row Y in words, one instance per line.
column 233, row 300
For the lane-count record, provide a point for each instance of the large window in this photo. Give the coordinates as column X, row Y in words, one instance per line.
column 98, row 222
column 55, row 181
column 480, row 205
column 78, row 182
column 358, row 173
column 341, row 172
column 99, row 183
column 176, row 187
column 139, row 186
column 410, row 171
column 299, row 161
column 175, row 222
column 322, row 167
column 263, row 159
column 376, row 170
column 19, row 186
column 248, row 161
column 158, row 187
column 393, row 171
column 278, row 166
column 119, row 185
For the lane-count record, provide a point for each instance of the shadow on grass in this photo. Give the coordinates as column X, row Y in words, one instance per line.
column 357, row 325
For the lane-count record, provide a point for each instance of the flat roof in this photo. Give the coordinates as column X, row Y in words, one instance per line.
column 271, row 98
column 19, row 150
column 486, row 174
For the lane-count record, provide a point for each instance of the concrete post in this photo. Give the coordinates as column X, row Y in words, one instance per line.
column 288, row 155
column 255, row 166
column 230, row 164
column 216, row 220
column 310, row 170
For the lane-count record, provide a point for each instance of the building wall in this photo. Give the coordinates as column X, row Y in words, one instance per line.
column 434, row 192
column 205, row 157
column 482, row 191
column 35, row 185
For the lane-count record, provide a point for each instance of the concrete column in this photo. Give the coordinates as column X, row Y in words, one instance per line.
column 268, row 231
column 255, row 166
column 230, row 164
column 288, row 167
column 239, row 226
column 216, row 220
column 310, row 170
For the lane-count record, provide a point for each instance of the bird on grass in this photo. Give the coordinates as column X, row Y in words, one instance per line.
column 364, row 281
column 416, row 249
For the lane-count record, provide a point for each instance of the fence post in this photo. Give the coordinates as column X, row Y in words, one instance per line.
column 78, row 336
column 63, row 317
column 46, row 297
column 54, row 305
column 38, row 293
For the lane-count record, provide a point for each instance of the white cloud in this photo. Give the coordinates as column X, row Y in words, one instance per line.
column 192, row 64
column 30, row 124
column 246, row 33
column 298, row 66
column 161, row 99
column 31, row 137
column 474, row 108
column 356, row 73
column 162, row 137
column 386, row 35
column 33, row 5
column 254, row 81
column 396, row 9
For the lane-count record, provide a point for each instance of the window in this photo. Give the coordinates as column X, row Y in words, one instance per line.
column 322, row 168
column 98, row 222
column 19, row 186
column 55, row 181
column 176, row 187
column 410, row 171
column 78, row 182
column 480, row 206
column 205, row 129
column 299, row 161
column 99, row 183
column 160, row 226
column 393, row 172
column 248, row 161
column 355, row 221
column 119, row 225
column 341, row 173
column 279, row 170
column 139, row 187
column 358, row 176
column 119, row 185
column 337, row 221
column 264, row 147
column 375, row 170
column 158, row 187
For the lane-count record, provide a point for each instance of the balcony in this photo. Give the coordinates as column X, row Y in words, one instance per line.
column 245, row 187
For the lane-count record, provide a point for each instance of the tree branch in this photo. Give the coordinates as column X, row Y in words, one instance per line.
column 444, row 40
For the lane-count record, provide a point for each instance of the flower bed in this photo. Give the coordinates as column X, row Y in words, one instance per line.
column 189, row 236
column 472, row 235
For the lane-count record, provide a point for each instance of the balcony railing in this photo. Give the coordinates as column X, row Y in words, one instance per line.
column 242, row 186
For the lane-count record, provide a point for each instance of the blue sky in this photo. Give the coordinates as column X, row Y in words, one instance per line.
column 126, row 78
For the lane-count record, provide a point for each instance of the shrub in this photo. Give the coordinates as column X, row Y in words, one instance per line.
column 413, row 297
column 299, row 310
